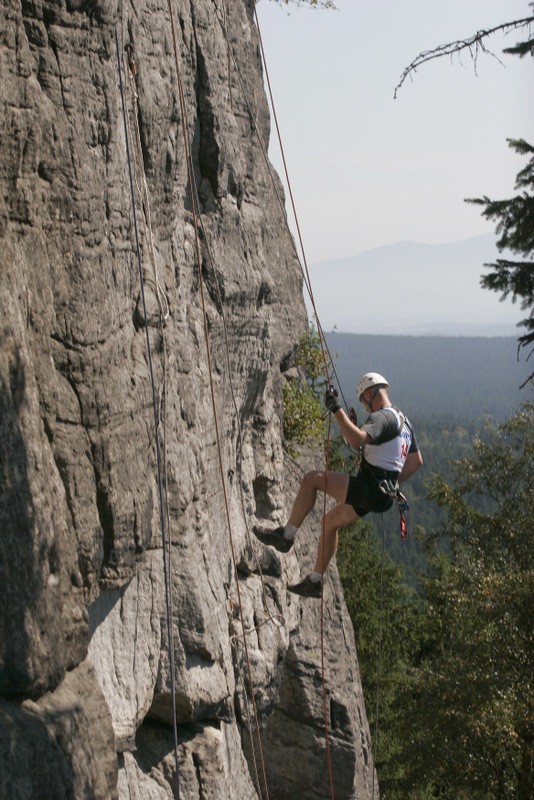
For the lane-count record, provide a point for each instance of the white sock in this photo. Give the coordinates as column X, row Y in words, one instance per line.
column 316, row 577
column 290, row 531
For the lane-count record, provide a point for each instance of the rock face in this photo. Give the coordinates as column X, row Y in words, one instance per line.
column 95, row 641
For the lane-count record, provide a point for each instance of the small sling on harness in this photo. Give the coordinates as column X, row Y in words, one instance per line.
column 391, row 488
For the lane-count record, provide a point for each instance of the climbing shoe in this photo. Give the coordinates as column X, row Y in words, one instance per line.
column 276, row 539
column 307, row 588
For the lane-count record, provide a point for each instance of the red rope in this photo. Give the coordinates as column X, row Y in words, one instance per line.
column 212, row 390
column 327, row 375
column 290, row 189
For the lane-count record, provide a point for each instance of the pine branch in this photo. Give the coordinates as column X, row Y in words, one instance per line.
column 475, row 45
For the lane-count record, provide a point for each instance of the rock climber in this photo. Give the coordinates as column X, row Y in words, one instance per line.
column 390, row 454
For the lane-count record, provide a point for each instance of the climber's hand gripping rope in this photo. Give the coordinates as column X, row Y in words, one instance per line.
column 331, row 400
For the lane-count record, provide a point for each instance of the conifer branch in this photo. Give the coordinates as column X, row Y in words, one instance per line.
column 474, row 45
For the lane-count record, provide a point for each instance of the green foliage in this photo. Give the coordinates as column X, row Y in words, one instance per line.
column 303, row 409
column 304, row 412
column 457, row 685
column 521, row 49
column 394, row 621
column 515, row 224
column 468, row 703
column 303, row 416
column 310, row 358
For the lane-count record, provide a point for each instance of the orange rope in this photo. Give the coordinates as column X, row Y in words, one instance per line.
column 263, row 148
column 290, row 189
column 327, row 375
column 212, row 389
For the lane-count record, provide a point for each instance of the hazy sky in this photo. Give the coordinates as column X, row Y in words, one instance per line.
column 368, row 170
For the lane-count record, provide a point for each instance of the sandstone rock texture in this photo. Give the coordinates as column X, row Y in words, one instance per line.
column 123, row 586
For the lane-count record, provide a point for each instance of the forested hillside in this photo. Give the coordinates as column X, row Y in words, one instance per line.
column 443, row 618
column 450, row 605
column 455, row 664
column 458, row 378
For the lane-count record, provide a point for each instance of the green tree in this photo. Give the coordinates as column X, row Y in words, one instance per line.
column 385, row 613
column 514, row 216
column 304, row 412
column 310, row 358
column 303, row 416
column 515, row 223
column 468, row 706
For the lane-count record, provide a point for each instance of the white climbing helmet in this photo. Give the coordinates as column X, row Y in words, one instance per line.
column 368, row 380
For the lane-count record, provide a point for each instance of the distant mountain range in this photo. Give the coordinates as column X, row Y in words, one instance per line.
column 411, row 288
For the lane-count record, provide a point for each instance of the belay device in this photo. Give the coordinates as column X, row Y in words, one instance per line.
column 391, row 488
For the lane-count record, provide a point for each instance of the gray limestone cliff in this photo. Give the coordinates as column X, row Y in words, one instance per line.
column 85, row 668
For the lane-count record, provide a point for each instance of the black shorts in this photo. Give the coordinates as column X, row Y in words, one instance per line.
column 364, row 494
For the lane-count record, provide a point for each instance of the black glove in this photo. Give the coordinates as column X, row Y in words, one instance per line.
column 330, row 401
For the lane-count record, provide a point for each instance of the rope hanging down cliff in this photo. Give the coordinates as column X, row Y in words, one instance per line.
column 324, row 348
column 328, row 361
column 138, row 178
column 308, row 285
column 194, row 207
column 196, row 219
column 162, row 504
column 324, row 351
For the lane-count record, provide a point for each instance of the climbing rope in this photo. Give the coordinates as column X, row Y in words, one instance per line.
column 328, row 360
column 326, row 714
column 141, row 183
column 324, row 351
column 163, row 306
column 161, row 297
column 379, row 651
column 326, row 356
column 138, row 179
column 162, row 503
column 191, row 182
